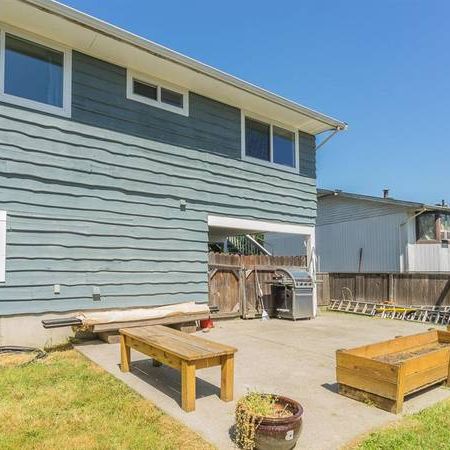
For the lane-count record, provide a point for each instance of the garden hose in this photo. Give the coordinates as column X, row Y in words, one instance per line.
column 39, row 353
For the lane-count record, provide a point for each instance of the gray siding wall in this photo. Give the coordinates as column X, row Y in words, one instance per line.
column 92, row 207
column 335, row 209
column 99, row 99
column 346, row 225
column 338, row 244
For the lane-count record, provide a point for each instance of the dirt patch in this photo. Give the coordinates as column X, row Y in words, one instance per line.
column 15, row 359
column 396, row 358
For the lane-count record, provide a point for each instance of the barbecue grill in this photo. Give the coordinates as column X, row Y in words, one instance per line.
column 293, row 289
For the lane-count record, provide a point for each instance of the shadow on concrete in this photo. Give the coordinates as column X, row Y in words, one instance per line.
column 332, row 387
column 87, row 342
column 168, row 380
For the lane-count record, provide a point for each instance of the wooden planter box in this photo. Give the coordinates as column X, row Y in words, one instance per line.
column 385, row 372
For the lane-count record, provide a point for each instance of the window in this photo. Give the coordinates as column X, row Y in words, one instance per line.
column 426, row 227
column 142, row 88
column 145, row 90
column 34, row 74
column 445, row 227
column 433, row 226
column 270, row 143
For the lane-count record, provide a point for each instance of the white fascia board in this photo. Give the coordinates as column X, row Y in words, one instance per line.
column 259, row 226
column 105, row 41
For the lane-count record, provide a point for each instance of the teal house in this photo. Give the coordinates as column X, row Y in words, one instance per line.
column 120, row 160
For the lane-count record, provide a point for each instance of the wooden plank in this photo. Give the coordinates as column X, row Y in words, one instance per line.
column 401, row 389
column 208, row 362
column 435, row 358
column 181, row 318
column 367, row 397
column 110, row 337
column 395, row 345
column 125, row 357
column 443, row 336
column 160, row 355
column 379, row 387
column 184, row 346
column 448, row 374
column 425, row 377
column 367, row 367
column 227, row 378
column 188, row 386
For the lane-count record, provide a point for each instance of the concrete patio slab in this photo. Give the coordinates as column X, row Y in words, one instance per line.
column 296, row 359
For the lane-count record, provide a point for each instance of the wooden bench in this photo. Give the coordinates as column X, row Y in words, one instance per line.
column 183, row 352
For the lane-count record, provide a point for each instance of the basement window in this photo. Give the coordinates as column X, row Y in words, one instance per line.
column 35, row 73
column 269, row 143
column 153, row 92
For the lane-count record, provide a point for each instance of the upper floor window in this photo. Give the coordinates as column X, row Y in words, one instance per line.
column 144, row 89
column 270, row 143
column 433, row 227
column 34, row 74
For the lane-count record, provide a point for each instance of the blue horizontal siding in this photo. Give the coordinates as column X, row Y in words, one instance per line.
column 99, row 99
column 89, row 207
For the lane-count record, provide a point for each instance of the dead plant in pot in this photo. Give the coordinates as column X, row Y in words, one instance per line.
column 267, row 422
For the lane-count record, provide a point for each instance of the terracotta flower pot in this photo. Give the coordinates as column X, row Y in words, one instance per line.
column 279, row 433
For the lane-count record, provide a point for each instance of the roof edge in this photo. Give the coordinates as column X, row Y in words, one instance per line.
column 392, row 201
column 98, row 25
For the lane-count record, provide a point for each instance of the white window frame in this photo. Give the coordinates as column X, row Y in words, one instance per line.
column 2, row 246
column 66, row 109
column 131, row 75
column 271, row 123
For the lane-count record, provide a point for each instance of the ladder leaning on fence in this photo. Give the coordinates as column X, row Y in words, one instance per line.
column 439, row 315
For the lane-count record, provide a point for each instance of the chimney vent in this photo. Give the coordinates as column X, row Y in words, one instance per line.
column 385, row 193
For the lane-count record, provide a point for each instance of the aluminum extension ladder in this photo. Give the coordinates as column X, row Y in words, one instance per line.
column 355, row 307
column 439, row 315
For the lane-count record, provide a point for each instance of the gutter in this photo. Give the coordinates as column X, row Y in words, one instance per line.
column 102, row 27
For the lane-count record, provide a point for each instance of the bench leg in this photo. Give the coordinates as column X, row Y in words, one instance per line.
column 124, row 355
column 227, row 378
column 187, row 386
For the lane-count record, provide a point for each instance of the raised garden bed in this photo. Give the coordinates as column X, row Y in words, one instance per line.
column 385, row 372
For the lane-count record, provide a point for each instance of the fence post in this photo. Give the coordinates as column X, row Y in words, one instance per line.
column 360, row 287
column 391, row 293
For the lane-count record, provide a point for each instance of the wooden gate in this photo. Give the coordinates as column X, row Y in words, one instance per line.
column 235, row 282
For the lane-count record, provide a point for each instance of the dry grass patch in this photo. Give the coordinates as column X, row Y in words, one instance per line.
column 65, row 401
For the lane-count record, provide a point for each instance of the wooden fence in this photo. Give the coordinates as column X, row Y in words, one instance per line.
column 234, row 281
column 401, row 288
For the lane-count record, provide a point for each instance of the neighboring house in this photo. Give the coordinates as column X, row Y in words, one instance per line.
column 121, row 160
column 360, row 233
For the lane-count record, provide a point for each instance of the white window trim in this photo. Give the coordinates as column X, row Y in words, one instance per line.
column 2, row 246
column 271, row 123
column 66, row 109
column 159, row 84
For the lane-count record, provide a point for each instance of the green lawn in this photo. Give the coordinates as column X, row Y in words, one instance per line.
column 66, row 402
column 427, row 430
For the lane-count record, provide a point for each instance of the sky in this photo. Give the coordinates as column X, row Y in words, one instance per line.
column 382, row 66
